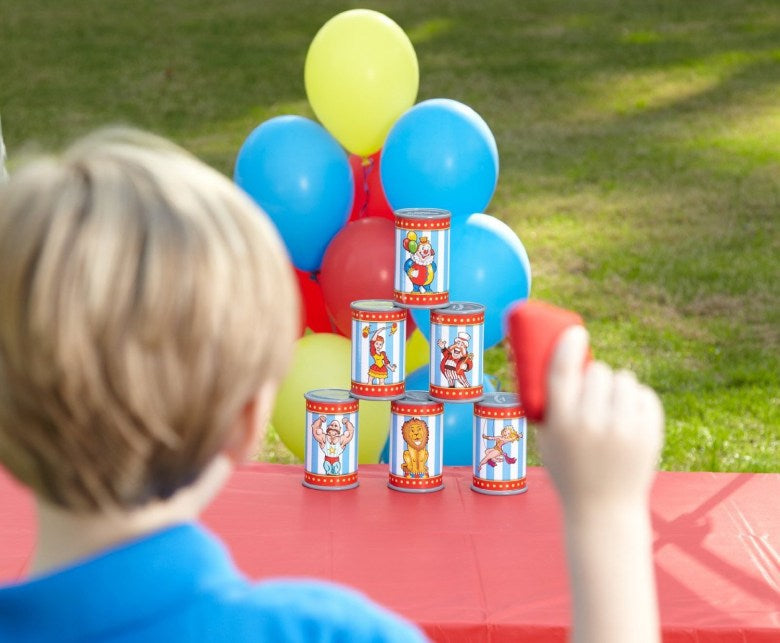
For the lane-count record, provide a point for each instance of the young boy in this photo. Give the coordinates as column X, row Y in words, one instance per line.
column 146, row 318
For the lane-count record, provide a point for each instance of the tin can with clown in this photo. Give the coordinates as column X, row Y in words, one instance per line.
column 422, row 257
column 416, row 447
column 457, row 351
column 331, row 444
column 499, row 447
column 378, row 349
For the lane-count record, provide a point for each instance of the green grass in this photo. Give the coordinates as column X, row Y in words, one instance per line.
column 639, row 145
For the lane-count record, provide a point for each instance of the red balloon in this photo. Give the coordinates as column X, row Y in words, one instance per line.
column 410, row 326
column 359, row 263
column 313, row 312
column 370, row 200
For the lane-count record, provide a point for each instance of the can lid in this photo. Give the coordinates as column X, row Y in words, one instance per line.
column 417, row 402
column 379, row 305
column 499, row 399
column 329, row 395
column 461, row 307
column 423, row 213
column 418, row 398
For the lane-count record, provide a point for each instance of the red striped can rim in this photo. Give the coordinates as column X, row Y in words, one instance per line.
column 499, row 399
column 423, row 213
column 460, row 308
column 376, row 306
column 418, row 399
column 329, row 395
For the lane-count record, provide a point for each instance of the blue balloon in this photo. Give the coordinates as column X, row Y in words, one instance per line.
column 299, row 174
column 458, row 421
column 488, row 265
column 440, row 154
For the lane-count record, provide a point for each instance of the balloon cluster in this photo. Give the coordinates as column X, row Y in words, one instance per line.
column 331, row 189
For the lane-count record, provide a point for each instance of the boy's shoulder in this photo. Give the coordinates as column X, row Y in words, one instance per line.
column 303, row 610
column 180, row 584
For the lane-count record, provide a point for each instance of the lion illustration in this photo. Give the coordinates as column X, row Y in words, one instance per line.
column 415, row 433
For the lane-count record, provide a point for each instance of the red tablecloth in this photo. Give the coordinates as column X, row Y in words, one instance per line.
column 469, row 567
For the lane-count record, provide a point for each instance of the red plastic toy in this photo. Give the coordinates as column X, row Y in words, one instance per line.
column 534, row 328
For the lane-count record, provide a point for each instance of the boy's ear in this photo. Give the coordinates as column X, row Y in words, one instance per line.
column 250, row 425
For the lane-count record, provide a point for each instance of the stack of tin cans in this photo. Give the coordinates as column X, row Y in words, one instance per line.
column 456, row 375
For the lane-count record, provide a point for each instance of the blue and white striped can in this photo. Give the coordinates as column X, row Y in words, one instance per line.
column 422, row 257
column 499, row 447
column 378, row 349
column 331, row 445
column 457, row 352
column 416, row 447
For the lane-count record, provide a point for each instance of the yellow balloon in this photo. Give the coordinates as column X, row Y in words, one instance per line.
column 322, row 360
column 417, row 351
column 361, row 74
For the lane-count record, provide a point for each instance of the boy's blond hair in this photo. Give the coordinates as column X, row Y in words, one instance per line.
column 144, row 300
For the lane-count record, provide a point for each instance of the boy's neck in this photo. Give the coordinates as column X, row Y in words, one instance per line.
column 65, row 537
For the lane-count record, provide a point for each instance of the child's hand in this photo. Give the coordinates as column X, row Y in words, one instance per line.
column 603, row 430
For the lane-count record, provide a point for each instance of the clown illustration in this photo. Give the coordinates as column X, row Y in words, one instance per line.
column 456, row 361
column 378, row 371
column 495, row 455
column 332, row 441
column 420, row 266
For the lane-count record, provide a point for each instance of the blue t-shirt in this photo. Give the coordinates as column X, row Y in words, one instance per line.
column 180, row 584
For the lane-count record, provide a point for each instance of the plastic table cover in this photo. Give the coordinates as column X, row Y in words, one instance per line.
column 472, row 567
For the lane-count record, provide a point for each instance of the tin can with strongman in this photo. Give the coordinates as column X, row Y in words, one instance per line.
column 378, row 349
column 499, row 447
column 457, row 352
column 331, row 444
column 422, row 257
column 416, row 447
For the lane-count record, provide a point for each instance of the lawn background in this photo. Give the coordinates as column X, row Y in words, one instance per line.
column 639, row 144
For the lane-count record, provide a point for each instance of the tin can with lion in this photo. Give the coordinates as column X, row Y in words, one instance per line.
column 416, row 448
column 499, row 447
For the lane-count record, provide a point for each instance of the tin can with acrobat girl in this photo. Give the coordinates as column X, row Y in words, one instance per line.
column 499, row 447
column 422, row 257
column 378, row 349
column 416, row 447
column 331, row 444
column 457, row 348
